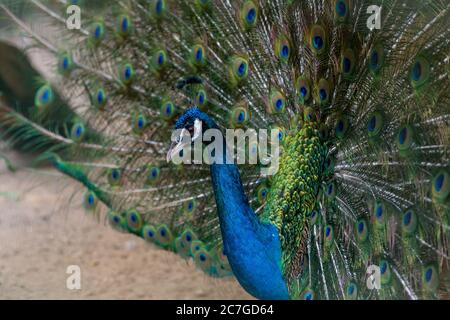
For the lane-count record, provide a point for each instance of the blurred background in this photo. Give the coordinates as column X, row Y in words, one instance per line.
column 44, row 229
column 40, row 236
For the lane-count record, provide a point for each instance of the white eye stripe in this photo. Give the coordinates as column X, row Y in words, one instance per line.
column 197, row 129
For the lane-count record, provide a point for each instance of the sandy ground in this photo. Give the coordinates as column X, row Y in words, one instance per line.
column 43, row 231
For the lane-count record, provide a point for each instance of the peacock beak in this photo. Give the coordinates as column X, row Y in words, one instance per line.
column 197, row 130
column 179, row 142
column 184, row 139
column 175, row 148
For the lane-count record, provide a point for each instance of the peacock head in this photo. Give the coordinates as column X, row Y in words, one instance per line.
column 188, row 128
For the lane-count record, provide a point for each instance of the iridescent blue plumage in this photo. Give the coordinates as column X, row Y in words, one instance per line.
column 253, row 248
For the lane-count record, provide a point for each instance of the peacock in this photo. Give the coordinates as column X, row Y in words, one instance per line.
column 360, row 110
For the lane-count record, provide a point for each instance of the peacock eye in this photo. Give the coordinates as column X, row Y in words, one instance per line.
column 308, row 295
column 409, row 222
column 78, row 132
column 124, row 25
column 164, row 236
column 430, row 278
column 99, row 98
column 420, row 72
column 126, row 74
column 318, row 39
column 249, row 15
column 262, row 192
column 149, row 233
column 44, row 97
column 280, row 133
column 158, row 9
column 90, row 200
column 196, row 246
column 139, row 123
column 282, row 48
column 348, row 63
column 197, row 55
column 116, row 220
column 277, row 102
column 203, row 260
column 314, row 217
column 440, row 186
column 239, row 117
column 362, row 232
column 303, row 87
column 201, row 98
column 376, row 59
column 330, row 190
column 153, row 173
column 189, row 206
column 385, row 270
column 405, row 138
column 342, row 127
column 97, row 33
column 352, row 291
column 323, row 92
column 238, row 70
column 167, row 110
column 159, row 60
column 341, row 10
column 375, row 124
column 114, row 177
column 134, row 221
column 65, row 64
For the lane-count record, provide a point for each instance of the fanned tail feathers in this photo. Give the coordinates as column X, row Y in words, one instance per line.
column 381, row 98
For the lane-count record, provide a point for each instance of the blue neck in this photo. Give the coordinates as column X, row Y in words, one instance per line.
column 253, row 248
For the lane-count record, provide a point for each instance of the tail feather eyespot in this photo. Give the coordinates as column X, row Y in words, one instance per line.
column 283, row 48
column 351, row 292
column 97, row 33
column 420, row 72
column 78, row 132
column 361, row 230
column 440, row 186
column 124, row 25
column 149, row 233
column 164, row 236
column 318, row 40
column 65, row 63
column 134, row 221
column 430, row 278
column 90, row 200
column 44, row 97
column 342, row 10
column 249, row 14
column 238, row 70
